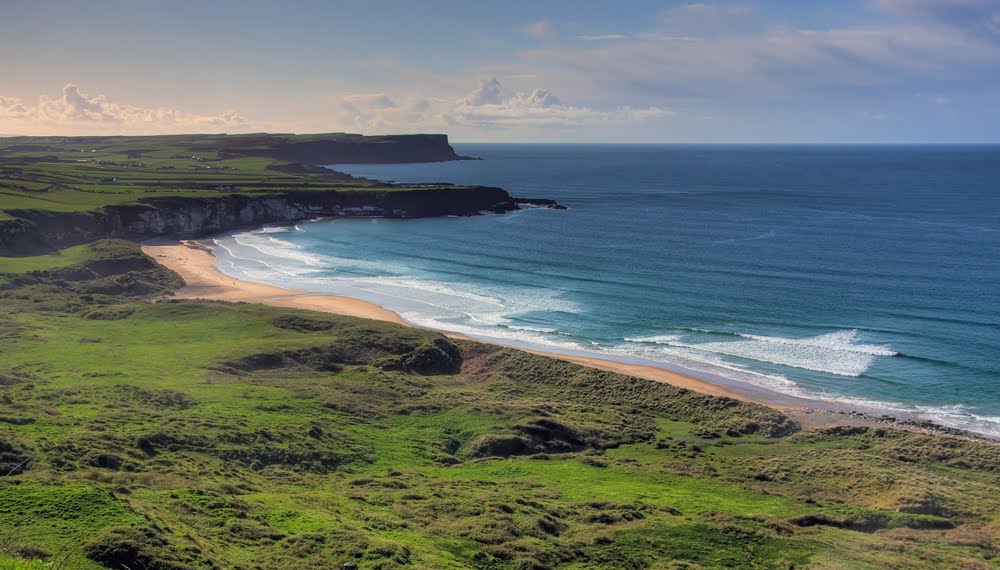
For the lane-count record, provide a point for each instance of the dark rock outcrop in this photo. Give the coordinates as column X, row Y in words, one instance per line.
column 33, row 231
column 540, row 202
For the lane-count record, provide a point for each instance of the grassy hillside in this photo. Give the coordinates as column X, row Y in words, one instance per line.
column 177, row 435
column 78, row 174
column 58, row 192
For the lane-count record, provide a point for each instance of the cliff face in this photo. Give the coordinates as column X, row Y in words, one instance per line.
column 385, row 149
column 35, row 230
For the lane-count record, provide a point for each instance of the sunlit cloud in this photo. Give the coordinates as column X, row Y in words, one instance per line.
column 77, row 112
column 592, row 76
column 12, row 108
column 490, row 105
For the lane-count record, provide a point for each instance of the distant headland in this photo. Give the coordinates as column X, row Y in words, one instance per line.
column 64, row 191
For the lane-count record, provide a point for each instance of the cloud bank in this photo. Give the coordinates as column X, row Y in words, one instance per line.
column 704, row 57
column 75, row 112
column 489, row 106
column 727, row 71
column 695, row 72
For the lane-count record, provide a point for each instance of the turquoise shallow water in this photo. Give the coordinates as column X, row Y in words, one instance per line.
column 867, row 275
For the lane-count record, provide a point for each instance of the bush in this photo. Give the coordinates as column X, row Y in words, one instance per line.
column 140, row 547
column 439, row 357
column 299, row 323
column 114, row 313
column 13, row 459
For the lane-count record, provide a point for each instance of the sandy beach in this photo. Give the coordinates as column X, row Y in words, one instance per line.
column 196, row 265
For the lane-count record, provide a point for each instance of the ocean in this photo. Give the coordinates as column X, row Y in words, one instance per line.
column 867, row 275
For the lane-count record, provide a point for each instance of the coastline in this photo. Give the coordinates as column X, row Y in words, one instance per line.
column 196, row 264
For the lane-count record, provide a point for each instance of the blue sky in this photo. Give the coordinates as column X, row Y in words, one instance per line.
column 846, row 71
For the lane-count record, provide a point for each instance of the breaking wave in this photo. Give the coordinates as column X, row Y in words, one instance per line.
column 838, row 352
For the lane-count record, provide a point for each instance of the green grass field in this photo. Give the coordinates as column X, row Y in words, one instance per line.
column 65, row 258
column 62, row 174
column 211, row 435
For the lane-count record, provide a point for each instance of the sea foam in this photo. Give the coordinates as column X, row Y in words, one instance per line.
column 837, row 353
column 271, row 246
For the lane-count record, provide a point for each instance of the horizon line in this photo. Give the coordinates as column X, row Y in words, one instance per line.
column 580, row 143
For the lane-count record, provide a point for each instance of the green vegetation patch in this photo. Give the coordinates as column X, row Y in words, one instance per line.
column 56, row 260
column 84, row 174
column 188, row 435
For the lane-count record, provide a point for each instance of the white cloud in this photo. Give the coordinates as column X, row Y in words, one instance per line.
column 11, row 107
column 514, row 116
column 492, row 106
column 489, row 92
column 752, row 73
column 539, row 98
column 75, row 112
column 602, row 37
column 380, row 113
column 540, row 30
column 764, row 63
column 489, row 106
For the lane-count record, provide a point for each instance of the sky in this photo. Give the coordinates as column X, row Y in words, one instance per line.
column 845, row 71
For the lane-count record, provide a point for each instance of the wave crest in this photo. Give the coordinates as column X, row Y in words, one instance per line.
column 837, row 353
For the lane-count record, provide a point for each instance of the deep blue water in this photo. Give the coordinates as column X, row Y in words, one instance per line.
column 863, row 274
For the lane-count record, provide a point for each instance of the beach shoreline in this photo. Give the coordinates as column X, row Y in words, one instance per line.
column 197, row 266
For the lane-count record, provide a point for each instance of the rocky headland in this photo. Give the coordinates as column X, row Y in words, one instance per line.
column 192, row 186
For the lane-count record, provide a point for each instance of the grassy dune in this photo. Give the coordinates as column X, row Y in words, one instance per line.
column 209, row 435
